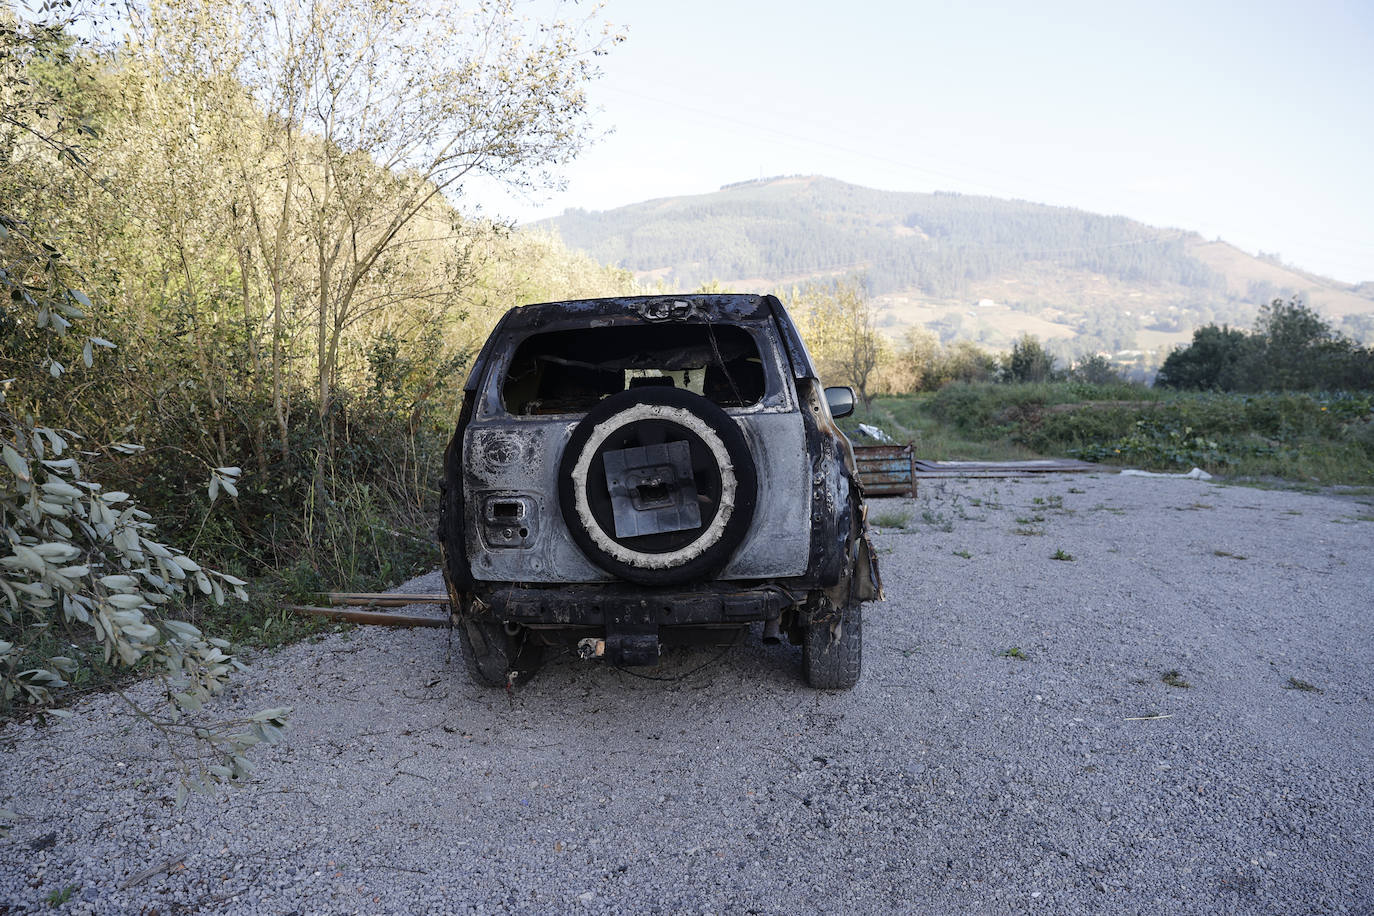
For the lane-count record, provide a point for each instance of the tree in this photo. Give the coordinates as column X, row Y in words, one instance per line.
column 915, row 365
column 1296, row 348
column 1028, row 361
column 1360, row 328
column 839, row 324
column 1106, row 328
column 372, row 111
column 862, row 347
column 965, row 361
column 1209, row 362
column 1095, row 370
column 1291, row 349
column 83, row 575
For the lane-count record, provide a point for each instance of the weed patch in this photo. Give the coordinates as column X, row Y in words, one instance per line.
column 1015, row 652
column 937, row 520
column 1304, row 686
column 59, row 897
column 1062, row 555
column 892, row 519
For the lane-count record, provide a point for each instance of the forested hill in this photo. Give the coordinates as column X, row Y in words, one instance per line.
column 929, row 258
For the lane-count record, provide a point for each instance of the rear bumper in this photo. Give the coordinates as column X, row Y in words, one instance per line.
column 619, row 606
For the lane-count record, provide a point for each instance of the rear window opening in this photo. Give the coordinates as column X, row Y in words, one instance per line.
column 570, row 371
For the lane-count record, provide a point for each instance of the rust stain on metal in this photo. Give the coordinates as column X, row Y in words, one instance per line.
column 887, row 470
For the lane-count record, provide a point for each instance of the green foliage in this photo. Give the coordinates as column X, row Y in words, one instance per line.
column 892, row 519
column 837, row 320
column 1361, row 434
column 937, row 520
column 806, row 226
column 59, row 897
column 1028, row 362
column 962, row 361
column 1106, row 329
column 85, row 580
column 1095, row 370
column 1004, row 408
column 1156, row 445
column 1225, row 434
column 1326, row 438
column 1211, row 362
column 1291, row 349
column 295, row 303
column 332, row 382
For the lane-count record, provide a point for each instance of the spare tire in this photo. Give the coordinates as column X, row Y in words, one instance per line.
column 683, row 505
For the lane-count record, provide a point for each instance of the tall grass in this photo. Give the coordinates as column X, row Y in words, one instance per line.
column 349, row 507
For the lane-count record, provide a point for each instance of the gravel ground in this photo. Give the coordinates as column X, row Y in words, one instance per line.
column 959, row 776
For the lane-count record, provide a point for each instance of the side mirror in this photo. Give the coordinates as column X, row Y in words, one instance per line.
column 841, row 401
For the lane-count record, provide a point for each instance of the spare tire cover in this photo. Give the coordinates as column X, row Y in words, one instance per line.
column 680, row 493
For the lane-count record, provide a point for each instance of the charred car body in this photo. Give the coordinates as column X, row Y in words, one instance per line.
column 629, row 472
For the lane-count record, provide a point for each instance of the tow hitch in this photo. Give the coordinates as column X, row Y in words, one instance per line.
column 622, row 649
column 631, row 636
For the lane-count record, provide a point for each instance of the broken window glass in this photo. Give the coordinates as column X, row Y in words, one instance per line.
column 570, row 371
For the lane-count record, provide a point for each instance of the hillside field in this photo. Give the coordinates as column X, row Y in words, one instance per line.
column 967, row 267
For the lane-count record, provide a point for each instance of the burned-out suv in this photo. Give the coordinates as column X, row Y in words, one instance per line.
column 638, row 471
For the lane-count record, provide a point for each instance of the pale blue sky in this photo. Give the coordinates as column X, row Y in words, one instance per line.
column 1251, row 121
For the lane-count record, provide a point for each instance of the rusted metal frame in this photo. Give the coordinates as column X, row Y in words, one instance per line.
column 374, row 618
column 957, row 469
column 380, row 599
column 887, row 470
column 341, row 600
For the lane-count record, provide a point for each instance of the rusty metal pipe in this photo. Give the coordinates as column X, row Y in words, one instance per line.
column 369, row 617
column 379, row 599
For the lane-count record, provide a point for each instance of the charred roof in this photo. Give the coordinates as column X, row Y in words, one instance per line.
column 692, row 307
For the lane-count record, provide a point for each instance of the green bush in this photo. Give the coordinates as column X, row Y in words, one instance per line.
column 1361, row 434
column 1324, row 437
column 1291, row 349
column 988, row 406
column 1287, row 435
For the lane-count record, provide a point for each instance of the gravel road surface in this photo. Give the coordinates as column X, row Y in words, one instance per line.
column 1176, row 720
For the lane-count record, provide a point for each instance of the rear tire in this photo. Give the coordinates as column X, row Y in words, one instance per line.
column 832, row 650
column 495, row 658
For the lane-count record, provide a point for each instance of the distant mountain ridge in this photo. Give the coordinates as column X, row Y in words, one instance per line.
column 966, row 266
